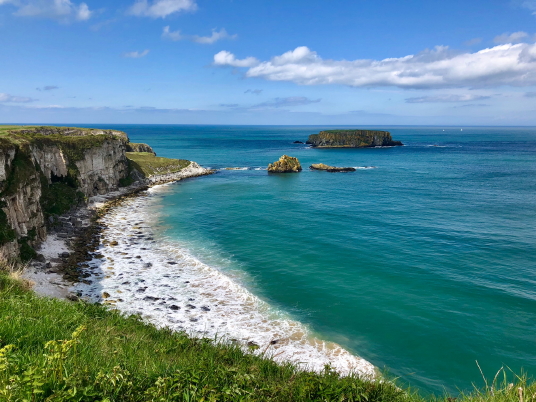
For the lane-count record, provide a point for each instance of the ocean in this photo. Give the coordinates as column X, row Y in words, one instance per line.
column 421, row 262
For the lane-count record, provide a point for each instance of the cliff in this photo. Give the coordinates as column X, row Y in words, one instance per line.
column 46, row 171
column 351, row 139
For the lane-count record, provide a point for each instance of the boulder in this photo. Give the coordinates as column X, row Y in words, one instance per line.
column 285, row 164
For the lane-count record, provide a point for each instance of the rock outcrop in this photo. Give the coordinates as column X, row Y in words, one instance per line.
column 332, row 169
column 351, row 139
column 285, row 164
column 139, row 147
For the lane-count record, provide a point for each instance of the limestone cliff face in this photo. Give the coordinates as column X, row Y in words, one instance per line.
column 41, row 177
column 102, row 168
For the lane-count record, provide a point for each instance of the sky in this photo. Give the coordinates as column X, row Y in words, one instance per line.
column 337, row 62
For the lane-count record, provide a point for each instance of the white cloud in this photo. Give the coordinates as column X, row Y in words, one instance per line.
column 136, row 54
column 514, row 37
column 161, row 8
column 225, row 58
column 173, row 35
column 61, row 10
column 509, row 64
column 216, row 36
column 447, row 98
column 530, row 4
column 14, row 99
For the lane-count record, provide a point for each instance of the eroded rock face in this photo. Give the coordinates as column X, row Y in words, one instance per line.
column 285, row 164
column 102, row 168
column 332, row 169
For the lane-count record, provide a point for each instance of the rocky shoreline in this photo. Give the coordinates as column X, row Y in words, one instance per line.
column 76, row 236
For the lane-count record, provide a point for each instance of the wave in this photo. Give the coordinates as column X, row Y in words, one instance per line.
column 139, row 272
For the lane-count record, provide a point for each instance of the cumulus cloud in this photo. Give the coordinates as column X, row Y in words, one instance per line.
column 136, row 54
column 161, row 8
column 14, row 99
column 225, row 58
column 514, row 37
column 447, row 98
column 47, row 88
column 205, row 40
column 61, row 10
column 441, row 67
column 253, row 91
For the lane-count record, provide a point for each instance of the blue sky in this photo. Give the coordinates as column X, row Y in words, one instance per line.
column 359, row 62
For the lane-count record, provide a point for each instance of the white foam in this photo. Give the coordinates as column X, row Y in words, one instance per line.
column 158, row 279
column 365, row 167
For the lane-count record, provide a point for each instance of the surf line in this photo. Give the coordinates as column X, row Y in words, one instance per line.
column 137, row 270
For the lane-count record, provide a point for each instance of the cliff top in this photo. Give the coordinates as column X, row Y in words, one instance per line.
column 24, row 134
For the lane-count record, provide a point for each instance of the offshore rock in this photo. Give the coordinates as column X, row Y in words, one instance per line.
column 352, row 139
column 285, row 164
column 332, row 169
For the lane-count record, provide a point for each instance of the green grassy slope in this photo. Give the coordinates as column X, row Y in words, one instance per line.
column 114, row 358
column 151, row 165
column 54, row 350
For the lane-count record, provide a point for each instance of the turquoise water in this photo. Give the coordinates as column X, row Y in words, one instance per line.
column 422, row 264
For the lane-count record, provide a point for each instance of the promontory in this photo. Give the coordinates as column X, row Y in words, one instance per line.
column 352, row 139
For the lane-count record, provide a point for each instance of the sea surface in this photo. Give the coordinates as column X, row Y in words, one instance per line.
column 422, row 262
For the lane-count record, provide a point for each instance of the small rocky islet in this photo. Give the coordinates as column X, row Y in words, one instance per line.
column 285, row 164
column 331, row 169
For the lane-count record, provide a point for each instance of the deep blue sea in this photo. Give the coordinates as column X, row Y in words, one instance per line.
column 423, row 261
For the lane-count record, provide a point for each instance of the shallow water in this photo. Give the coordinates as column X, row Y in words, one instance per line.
column 422, row 264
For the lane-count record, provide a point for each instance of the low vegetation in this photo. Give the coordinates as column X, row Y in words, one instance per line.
column 55, row 350
column 150, row 165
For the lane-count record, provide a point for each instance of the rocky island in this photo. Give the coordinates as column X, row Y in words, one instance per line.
column 285, row 164
column 352, row 139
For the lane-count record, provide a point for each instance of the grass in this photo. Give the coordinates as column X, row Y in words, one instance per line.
column 54, row 350
column 151, row 165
